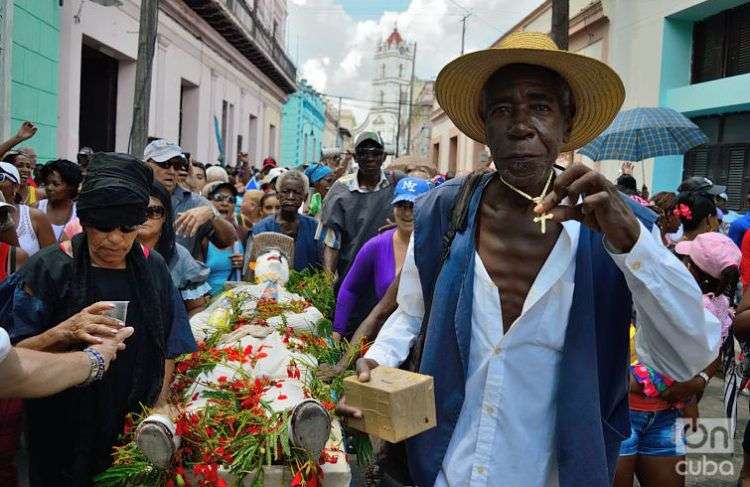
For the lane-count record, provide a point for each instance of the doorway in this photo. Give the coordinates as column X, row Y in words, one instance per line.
column 98, row 109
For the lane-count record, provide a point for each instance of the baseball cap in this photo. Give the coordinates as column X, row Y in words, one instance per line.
column 371, row 136
column 700, row 184
column 86, row 151
column 712, row 252
column 408, row 189
column 160, row 150
column 269, row 162
column 10, row 170
column 273, row 174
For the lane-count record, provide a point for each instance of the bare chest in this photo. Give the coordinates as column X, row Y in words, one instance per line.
column 513, row 251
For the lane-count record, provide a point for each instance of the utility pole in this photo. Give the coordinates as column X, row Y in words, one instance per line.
column 339, row 139
column 143, row 69
column 463, row 31
column 398, row 123
column 560, row 23
column 411, row 100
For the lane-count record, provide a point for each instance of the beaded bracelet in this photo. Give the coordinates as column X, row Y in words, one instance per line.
column 96, row 362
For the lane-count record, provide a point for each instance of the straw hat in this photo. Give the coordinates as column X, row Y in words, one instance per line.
column 597, row 90
column 272, row 240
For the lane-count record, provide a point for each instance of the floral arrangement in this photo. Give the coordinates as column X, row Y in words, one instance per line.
column 241, row 425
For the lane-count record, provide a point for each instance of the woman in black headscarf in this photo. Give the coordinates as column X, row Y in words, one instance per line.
column 72, row 433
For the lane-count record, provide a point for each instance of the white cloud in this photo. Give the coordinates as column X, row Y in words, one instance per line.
column 335, row 52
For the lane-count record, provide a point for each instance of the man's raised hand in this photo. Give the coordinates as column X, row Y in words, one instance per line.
column 602, row 208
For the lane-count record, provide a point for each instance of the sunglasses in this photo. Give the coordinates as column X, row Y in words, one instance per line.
column 176, row 162
column 122, row 228
column 369, row 152
column 155, row 212
column 222, row 197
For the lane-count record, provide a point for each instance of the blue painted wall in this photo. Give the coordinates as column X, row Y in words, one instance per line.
column 302, row 125
column 675, row 91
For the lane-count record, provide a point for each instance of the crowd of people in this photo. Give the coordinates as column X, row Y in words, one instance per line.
column 476, row 281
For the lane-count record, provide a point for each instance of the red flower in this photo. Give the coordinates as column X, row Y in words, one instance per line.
column 222, row 379
column 282, row 397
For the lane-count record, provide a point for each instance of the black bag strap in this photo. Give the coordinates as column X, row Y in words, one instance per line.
column 458, row 222
column 12, row 260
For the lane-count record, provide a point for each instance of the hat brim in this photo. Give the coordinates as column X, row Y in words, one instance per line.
column 400, row 198
column 597, row 90
column 717, row 190
column 165, row 157
column 684, row 247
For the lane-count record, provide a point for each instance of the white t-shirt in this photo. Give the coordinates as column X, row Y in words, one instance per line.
column 4, row 344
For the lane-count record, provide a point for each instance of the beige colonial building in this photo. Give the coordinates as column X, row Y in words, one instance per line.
column 455, row 153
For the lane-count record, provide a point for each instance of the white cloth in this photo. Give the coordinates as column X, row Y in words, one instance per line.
column 27, row 238
column 58, row 229
column 4, row 344
column 512, row 379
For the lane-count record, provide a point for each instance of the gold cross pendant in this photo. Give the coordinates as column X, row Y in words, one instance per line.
column 542, row 220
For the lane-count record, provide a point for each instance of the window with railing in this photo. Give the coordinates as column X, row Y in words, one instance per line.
column 721, row 45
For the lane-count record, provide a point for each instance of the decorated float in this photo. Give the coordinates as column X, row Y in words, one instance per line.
column 247, row 409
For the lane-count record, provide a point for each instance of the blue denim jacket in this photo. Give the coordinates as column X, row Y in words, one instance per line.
column 592, row 406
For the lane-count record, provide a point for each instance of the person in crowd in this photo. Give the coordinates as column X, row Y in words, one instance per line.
column 58, row 301
column 741, row 225
column 523, row 281
column 380, row 258
column 321, row 177
column 269, row 204
column 223, row 196
column 84, row 159
column 30, row 374
column 664, row 204
column 195, row 218
column 223, row 262
column 653, row 450
column 269, row 182
column 33, row 181
column 12, row 257
column 216, row 173
column 250, row 210
column 197, row 177
column 292, row 188
column 25, row 194
column 26, row 131
column 33, row 229
column 696, row 210
column 61, row 179
column 357, row 205
column 256, row 182
column 188, row 275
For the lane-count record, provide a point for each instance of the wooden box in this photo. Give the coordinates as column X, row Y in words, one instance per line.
column 395, row 404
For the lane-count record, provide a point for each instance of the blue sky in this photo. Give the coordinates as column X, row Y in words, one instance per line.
column 369, row 10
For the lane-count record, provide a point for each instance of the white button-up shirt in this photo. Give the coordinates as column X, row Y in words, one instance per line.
column 505, row 433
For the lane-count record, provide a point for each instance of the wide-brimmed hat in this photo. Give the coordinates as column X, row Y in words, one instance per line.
column 597, row 90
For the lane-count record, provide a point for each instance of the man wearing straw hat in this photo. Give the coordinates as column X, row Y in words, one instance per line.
column 522, row 313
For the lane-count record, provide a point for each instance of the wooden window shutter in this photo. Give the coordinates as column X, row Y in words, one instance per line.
column 696, row 163
column 738, row 41
column 708, row 48
column 737, row 158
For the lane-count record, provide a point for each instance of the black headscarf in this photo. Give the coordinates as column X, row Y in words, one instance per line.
column 115, row 191
column 166, row 243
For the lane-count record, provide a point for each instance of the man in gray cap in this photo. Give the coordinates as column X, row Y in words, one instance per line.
column 356, row 206
column 195, row 218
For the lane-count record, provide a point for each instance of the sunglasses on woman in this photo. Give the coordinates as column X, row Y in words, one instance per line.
column 222, row 197
column 155, row 212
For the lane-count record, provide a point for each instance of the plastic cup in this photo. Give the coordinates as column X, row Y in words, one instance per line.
column 120, row 310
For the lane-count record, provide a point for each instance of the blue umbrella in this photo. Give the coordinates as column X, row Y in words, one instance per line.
column 642, row 133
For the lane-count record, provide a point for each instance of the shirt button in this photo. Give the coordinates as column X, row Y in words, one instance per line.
column 635, row 266
column 489, row 410
column 480, row 470
column 498, row 350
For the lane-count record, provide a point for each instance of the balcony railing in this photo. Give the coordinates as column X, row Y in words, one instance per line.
column 240, row 25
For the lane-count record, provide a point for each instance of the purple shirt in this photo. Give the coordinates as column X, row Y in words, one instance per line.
column 374, row 267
